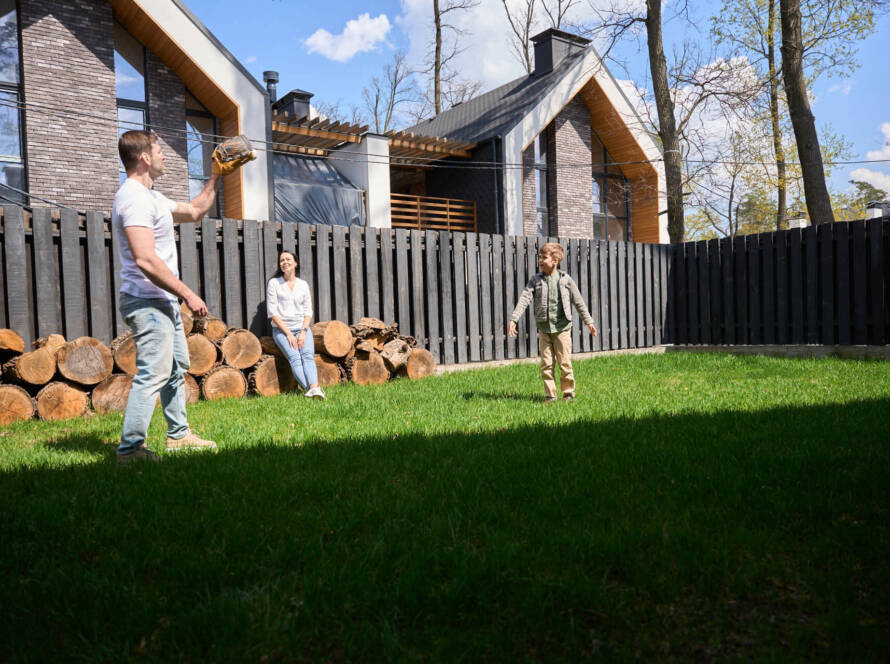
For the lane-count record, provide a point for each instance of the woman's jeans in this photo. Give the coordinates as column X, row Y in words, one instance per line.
column 162, row 360
column 302, row 361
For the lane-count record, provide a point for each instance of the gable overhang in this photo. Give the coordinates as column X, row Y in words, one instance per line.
column 621, row 130
column 218, row 81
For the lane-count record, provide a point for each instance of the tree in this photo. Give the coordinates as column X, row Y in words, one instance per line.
column 521, row 21
column 851, row 205
column 385, row 96
column 444, row 53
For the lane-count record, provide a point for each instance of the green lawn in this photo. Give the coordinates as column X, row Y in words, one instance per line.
column 684, row 507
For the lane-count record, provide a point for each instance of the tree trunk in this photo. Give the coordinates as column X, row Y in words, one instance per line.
column 240, row 348
column 192, row 391
column 61, row 401
column 272, row 375
column 437, row 62
column 420, row 364
column 34, row 368
column 15, row 404
column 223, row 382
column 332, row 338
column 778, row 147
column 673, row 164
column 211, row 327
column 395, row 353
column 110, row 396
column 52, row 342
column 203, row 354
column 11, row 343
column 808, row 151
column 369, row 369
column 329, row 372
column 123, row 350
column 86, row 361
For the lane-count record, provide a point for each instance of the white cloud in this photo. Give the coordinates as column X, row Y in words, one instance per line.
column 250, row 59
column 360, row 35
column 874, row 178
column 884, row 152
column 844, row 88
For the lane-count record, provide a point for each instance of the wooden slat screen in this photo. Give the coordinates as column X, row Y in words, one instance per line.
column 435, row 214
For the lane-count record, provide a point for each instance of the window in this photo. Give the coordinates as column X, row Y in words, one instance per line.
column 610, row 195
column 129, row 78
column 542, row 217
column 12, row 164
column 201, row 132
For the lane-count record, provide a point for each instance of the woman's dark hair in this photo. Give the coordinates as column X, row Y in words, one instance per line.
column 278, row 272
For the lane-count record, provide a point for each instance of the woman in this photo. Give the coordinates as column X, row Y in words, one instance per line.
column 289, row 307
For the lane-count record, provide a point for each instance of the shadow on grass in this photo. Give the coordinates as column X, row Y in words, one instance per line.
column 733, row 535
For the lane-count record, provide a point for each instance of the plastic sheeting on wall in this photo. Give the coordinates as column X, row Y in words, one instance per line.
column 312, row 191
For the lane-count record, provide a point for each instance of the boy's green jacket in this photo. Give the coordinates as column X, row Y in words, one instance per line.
column 536, row 290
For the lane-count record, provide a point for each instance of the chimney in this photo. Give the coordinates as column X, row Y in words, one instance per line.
column 270, row 78
column 552, row 46
column 295, row 103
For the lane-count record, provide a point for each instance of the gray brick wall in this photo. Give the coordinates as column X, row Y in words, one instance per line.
column 529, row 208
column 166, row 109
column 572, row 209
column 68, row 63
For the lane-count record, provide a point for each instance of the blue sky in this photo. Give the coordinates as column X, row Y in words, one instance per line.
column 333, row 49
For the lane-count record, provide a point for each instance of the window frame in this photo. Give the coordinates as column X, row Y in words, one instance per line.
column 540, row 169
column 603, row 178
column 16, row 88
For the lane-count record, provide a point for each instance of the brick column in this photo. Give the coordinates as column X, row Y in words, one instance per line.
column 571, row 209
column 529, row 207
column 166, row 111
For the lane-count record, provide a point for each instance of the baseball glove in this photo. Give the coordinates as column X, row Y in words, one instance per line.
column 232, row 154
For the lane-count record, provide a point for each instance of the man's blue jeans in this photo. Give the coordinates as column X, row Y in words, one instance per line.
column 302, row 361
column 162, row 359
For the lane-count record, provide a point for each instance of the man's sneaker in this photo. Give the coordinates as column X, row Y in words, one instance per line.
column 189, row 442
column 315, row 393
column 141, row 453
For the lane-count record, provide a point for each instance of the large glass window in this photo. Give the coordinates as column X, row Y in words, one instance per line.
column 12, row 164
column 542, row 216
column 201, row 134
column 129, row 78
column 610, row 194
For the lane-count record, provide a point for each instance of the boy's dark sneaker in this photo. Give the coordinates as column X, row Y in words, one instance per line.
column 141, row 453
column 568, row 398
column 549, row 399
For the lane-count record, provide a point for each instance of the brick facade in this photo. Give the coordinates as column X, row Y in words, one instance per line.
column 68, row 64
column 529, row 207
column 572, row 211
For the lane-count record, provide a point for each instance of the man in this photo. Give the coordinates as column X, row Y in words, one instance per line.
column 150, row 288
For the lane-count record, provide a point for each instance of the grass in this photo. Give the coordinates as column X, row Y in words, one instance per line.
column 684, row 507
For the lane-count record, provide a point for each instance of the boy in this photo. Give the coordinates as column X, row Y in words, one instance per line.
column 553, row 293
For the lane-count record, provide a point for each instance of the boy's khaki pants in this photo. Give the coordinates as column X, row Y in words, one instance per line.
column 559, row 344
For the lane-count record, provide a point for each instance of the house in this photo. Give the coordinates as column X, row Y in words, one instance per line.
column 568, row 155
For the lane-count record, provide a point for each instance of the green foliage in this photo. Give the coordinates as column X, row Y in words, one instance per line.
column 685, row 507
column 850, row 205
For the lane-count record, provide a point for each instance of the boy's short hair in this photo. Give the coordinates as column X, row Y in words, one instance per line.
column 132, row 144
column 553, row 249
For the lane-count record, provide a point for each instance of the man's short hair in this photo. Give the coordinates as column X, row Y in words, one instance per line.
column 132, row 144
column 553, row 249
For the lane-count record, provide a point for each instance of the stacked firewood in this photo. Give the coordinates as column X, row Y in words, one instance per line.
column 61, row 379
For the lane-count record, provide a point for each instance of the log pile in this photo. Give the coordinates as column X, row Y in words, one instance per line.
column 60, row 379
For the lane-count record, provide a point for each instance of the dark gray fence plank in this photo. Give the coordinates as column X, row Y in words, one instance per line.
column 372, row 279
column 844, row 318
column 387, row 276
column 475, row 339
column 614, row 301
column 254, row 282
column 531, row 268
column 704, row 291
column 594, row 299
column 657, row 288
column 680, row 299
column 210, row 276
column 116, row 239
column 510, row 290
column 728, row 300
column 188, row 256
column 269, row 231
column 460, row 297
column 584, row 288
column 521, row 281
column 768, row 280
column 340, row 287
column 17, row 281
column 860, row 284
column 572, row 268
column 323, row 272
column 811, row 248
column 623, row 297
column 715, row 291
column 97, row 275
column 46, row 275
column 876, row 280
column 446, row 286
column 783, row 310
column 648, row 330
column 630, row 292
column 232, row 274
column 432, row 294
column 497, row 294
column 740, row 265
column 73, row 286
column 485, row 295
column 795, row 253
column 826, row 274
column 665, row 266
column 403, row 282
column 639, row 289
column 418, row 329
column 754, row 304
column 356, row 275
column 288, row 240
column 306, row 267
column 692, row 287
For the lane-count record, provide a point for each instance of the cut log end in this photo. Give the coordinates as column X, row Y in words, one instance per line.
column 332, row 338
column 271, row 376
column 110, row 396
column 11, row 343
column 61, row 401
column 192, row 391
column 211, row 327
column 123, row 350
column 420, row 364
column 52, row 342
column 85, row 360
column 34, row 368
column 369, row 369
column 223, row 382
column 241, row 349
column 328, row 371
column 203, row 354
column 15, row 404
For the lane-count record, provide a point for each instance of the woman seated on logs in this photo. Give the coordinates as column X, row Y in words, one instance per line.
column 289, row 307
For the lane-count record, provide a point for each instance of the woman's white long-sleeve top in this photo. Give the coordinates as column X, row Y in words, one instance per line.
column 292, row 306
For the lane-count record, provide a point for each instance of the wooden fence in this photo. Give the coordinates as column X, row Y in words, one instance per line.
column 453, row 291
column 435, row 214
column 818, row 285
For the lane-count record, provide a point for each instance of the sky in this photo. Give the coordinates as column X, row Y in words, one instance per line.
column 333, row 50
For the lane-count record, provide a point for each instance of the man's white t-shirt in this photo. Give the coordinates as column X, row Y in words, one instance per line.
column 136, row 205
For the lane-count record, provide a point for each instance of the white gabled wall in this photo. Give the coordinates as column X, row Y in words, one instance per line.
column 250, row 99
column 366, row 164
